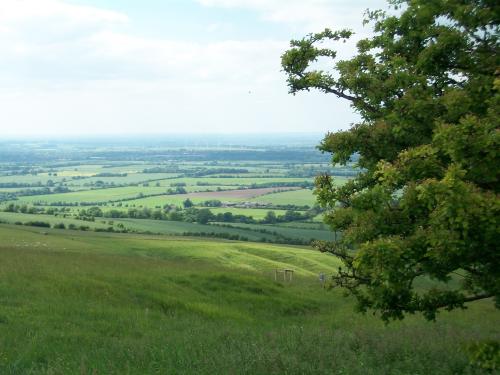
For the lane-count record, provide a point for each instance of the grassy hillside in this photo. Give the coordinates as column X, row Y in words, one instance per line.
column 91, row 303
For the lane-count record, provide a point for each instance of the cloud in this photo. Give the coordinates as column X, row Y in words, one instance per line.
column 72, row 68
column 16, row 11
column 313, row 15
column 50, row 42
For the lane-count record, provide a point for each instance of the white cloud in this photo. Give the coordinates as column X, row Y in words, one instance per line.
column 50, row 42
column 312, row 15
column 66, row 67
column 15, row 11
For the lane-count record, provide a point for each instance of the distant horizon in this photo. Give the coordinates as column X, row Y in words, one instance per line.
column 150, row 135
column 176, row 140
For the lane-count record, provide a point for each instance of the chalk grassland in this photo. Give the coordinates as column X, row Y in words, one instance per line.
column 87, row 303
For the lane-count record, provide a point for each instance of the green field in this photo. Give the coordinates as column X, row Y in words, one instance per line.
column 303, row 197
column 136, row 225
column 161, row 200
column 87, row 303
column 252, row 232
column 256, row 213
column 306, row 232
column 97, row 195
column 235, row 181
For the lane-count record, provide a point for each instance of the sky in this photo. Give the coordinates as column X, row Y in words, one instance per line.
column 128, row 67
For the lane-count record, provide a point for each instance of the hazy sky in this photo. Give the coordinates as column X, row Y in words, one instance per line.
column 70, row 67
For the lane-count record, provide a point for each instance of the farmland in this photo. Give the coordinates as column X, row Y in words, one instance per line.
column 186, row 190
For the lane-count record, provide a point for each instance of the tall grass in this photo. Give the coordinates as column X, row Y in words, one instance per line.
column 87, row 303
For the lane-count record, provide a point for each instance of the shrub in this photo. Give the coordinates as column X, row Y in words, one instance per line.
column 41, row 224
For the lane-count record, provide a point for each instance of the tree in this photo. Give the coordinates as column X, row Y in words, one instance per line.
column 187, row 203
column 94, row 212
column 270, row 217
column 204, row 215
column 425, row 202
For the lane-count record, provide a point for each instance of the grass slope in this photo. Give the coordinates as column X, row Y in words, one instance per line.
column 87, row 303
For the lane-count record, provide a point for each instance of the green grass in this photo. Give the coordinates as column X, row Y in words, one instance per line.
column 97, row 195
column 301, row 197
column 235, row 181
column 13, row 217
column 296, row 230
column 178, row 228
column 131, row 178
column 30, row 179
column 176, row 199
column 130, row 192
column 87, row 303
column 142, row 225
column 250, row 231
column 256, row 213
column 305, row 224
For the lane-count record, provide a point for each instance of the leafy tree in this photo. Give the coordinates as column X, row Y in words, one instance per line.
column 425, row 203
column 187, row 203
column 204, row 215
column 175, row 216
column 94, row 211
column 270, row 217
column 227, row 217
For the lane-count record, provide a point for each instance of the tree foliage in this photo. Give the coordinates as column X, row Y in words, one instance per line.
column 425, row 203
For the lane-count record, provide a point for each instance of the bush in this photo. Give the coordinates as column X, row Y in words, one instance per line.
column 41, row 224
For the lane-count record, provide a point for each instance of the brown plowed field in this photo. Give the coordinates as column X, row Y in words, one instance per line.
column 243, row 193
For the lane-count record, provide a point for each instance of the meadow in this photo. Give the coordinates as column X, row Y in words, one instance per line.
column 92, row 303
